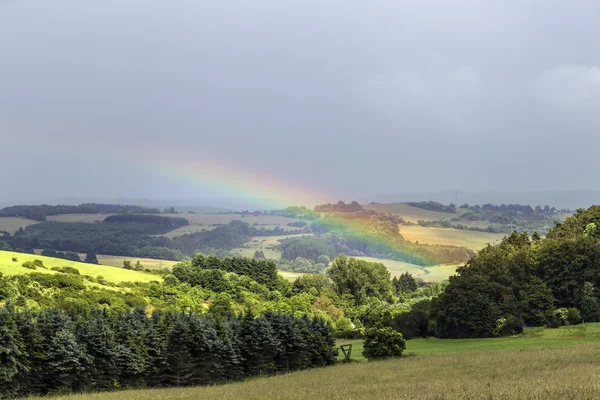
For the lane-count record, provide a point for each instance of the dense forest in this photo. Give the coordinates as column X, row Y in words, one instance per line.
column 40, row 212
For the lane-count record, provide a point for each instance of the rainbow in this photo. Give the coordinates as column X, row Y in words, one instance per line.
column 225, row 181
column 276, row 193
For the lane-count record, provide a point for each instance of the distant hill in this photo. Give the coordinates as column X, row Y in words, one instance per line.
column 570, row 199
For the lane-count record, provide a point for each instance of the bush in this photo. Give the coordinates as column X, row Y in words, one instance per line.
column 38, row 263
column 29, row 265
column 383, row 343
column 15, row 259
column 66, row 270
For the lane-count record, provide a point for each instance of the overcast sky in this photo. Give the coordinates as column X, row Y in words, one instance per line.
column 352, row 98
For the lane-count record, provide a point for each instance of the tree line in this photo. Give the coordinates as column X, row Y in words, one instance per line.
column 40, row 212
column 526, row 280
column 53, row 351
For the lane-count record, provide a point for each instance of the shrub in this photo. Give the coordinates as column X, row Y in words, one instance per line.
column 383, row 343
column 38, row 263
column 29, row 265
column 15, row 259
column 66, row 270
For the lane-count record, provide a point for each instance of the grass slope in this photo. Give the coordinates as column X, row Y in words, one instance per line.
column 454, row 237
column 12, row 224
column 565, row 366
column 111, row 274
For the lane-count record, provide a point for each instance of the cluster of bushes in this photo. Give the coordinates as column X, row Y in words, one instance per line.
column 52, row 351
column 340, row 206
column 433, row 206
column 308, row 247
column 65, row 255
column 304, row 265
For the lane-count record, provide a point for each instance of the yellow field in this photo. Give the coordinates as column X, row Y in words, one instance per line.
column 150, row 263
column 557, row 373
column 12, row 224
column 412, row 214
column 111, row 274
column 453, row 237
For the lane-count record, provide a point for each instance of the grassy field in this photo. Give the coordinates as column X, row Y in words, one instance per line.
column 12, row 224
column 531, row 338
column 111, row 274
column 454, row 237
column 150, row 263
column 412, row 214
column 546, row 364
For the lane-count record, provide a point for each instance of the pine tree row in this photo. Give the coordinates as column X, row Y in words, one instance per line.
column 53, row 351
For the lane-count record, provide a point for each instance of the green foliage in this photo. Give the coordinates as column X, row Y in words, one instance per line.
column 66, row 270
column 383, row 343
column 29, row 265
column 52, row 351
column 90, row 258
column 413, row 323
column 308, row 247
column 360, row 279
column 262, row 271
column 405, row 283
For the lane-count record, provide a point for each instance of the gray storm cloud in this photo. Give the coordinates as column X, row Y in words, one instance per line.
column 356, row 97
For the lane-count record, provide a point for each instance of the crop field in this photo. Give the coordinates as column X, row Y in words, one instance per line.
column 12, row 224
column 412, row 214
column 263, row 243
column 111, row 274
column 544, row 364
column 150, row 263
column 448, row 236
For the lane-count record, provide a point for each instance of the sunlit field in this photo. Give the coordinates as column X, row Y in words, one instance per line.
column 447, row 236
column 111, row 274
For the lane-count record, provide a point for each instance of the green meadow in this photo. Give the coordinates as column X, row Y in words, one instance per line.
column 111, row 274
